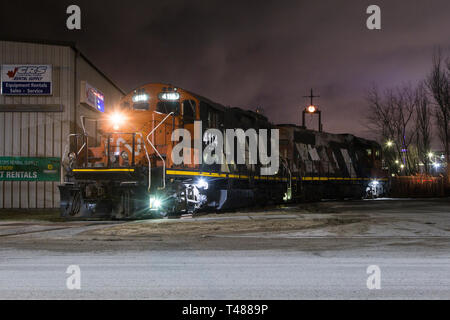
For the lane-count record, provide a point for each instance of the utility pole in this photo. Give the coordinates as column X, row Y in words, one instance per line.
column 312, row 109
column 311, row 96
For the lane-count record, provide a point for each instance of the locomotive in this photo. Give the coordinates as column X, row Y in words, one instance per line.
column 130, row 173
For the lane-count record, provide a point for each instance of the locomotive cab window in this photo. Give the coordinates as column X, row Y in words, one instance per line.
column 189, row 111
column 168, row 107
column 213, row 118
column 141, row 106
column 377, row 154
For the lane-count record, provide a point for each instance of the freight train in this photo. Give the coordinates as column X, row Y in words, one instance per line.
column 130, row 172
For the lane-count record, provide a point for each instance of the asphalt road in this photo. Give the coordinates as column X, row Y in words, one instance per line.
column 410, row 244
column 223, row 275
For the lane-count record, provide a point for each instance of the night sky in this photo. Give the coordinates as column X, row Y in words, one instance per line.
column 250, row 53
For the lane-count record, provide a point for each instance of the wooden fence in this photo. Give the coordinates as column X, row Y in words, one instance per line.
column 417, row 186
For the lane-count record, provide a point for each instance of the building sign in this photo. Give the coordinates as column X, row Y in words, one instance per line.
column 29, row 169
column 92, row 97
column 26, row 79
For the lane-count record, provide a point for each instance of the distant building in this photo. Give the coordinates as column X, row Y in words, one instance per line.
column 45, row 88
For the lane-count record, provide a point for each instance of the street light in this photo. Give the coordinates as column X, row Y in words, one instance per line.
column 389, row 143
column 311, row 109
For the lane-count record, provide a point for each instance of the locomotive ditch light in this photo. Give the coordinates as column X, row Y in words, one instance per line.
column 202, row 184
column 155, row 203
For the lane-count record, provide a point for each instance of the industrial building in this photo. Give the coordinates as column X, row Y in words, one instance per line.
column 45, row 88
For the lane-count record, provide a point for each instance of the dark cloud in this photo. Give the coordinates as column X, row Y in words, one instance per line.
column 251, row 53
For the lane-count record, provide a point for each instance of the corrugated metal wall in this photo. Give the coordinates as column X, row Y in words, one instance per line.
column 36, row 134
column 44, row 134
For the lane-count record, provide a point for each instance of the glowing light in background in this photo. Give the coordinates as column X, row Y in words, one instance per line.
column 311, row 109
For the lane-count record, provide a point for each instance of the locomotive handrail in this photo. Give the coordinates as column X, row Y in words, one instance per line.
column 286, row 166
column 84, row 144
column 157, row 152
column 64, row 154
column 67, row 144
column 85, row 134
column 149, row 163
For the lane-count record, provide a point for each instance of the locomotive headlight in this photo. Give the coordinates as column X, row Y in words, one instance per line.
column 116, row 120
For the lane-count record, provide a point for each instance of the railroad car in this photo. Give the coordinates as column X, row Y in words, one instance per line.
column 331, row 166
column 130, row 173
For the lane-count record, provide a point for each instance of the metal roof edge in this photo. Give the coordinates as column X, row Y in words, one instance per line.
column 70, row 44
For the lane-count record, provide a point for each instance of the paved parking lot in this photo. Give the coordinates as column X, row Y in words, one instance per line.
column 297, row 252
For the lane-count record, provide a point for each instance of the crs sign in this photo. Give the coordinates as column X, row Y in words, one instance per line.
column 26, row 79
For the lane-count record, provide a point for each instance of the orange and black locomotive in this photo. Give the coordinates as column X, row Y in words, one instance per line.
column 132, row 174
